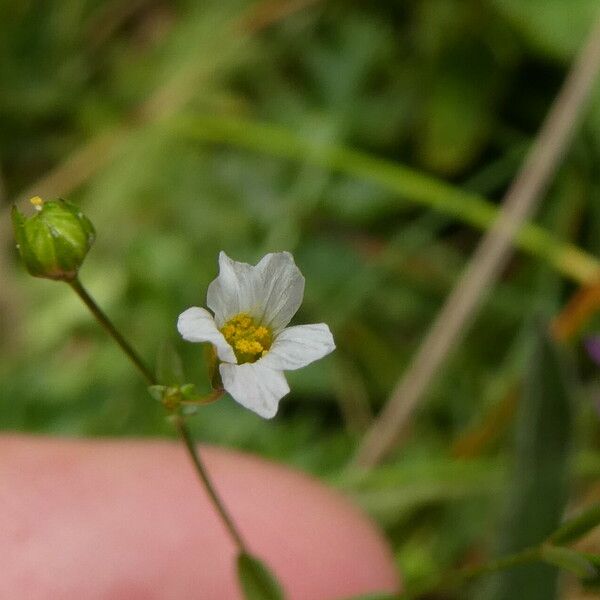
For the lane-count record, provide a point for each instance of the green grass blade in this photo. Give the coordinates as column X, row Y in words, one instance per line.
column 578, row 526
column 540, row 478
column 410, row 184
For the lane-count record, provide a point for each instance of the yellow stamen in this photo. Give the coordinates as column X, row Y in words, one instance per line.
column 37, row 202
column 248, row 340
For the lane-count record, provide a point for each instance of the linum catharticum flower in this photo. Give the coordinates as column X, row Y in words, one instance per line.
column 252, row 306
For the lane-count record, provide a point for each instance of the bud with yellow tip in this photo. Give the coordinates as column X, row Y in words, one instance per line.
column 54, row 241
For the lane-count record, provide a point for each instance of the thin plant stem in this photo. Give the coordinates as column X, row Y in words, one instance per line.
column 184, row 431
column 101, row 317
column 491, row 255
column 500, row 564
column 455, row 579
column 177, row 419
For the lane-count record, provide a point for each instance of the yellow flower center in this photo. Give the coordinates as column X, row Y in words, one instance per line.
column 248, row 340
column 37, row 202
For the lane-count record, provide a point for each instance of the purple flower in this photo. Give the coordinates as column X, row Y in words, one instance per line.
column 592, row 345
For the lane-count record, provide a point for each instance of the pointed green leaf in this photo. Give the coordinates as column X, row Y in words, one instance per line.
column 169, row 368
column 569, row 560
column 577, row 527
column 539, row 482
column 256, row 580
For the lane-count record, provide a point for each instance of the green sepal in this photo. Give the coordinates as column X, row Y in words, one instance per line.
column 174, row 397
column 212, row 365
column 54, row 241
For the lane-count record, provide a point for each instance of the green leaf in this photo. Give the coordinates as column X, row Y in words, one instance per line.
column 569, row 560
column 539, row 481
column 553, row 27
column 458, row 109
column 169, row 368
column 406, row 183
column 256, row 580
column 577, row 527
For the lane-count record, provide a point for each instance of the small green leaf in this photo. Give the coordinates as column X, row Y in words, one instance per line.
column 569, row 560
column 577, row 527
column 169, row 368
column 256, row 580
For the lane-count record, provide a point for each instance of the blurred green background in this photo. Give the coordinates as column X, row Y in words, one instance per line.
column 184, row 128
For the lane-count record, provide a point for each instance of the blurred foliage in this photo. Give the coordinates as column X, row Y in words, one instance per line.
column 94, row 93
column 540, row 478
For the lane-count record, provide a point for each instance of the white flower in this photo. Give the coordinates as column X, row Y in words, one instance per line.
column 252, row 306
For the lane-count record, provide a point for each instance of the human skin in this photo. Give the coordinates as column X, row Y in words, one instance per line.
column 128, row 520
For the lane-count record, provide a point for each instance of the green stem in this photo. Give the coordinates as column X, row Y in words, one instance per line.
column 203, row 475
column 454, row 579
column 101, row 317
column 182, row 428
column 500, row 564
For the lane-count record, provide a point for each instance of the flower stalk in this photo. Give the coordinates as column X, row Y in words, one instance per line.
column 186, row 436
column 456, row 579
column 106, row 323
column 176, row 418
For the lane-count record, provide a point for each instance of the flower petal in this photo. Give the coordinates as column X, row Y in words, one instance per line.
column 271, row 291
column 198, row 325
column 235, row 290
column 255, row 386
column 296, row 347
column 282, row 290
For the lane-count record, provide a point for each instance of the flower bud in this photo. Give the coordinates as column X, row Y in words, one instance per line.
column 55, row 240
